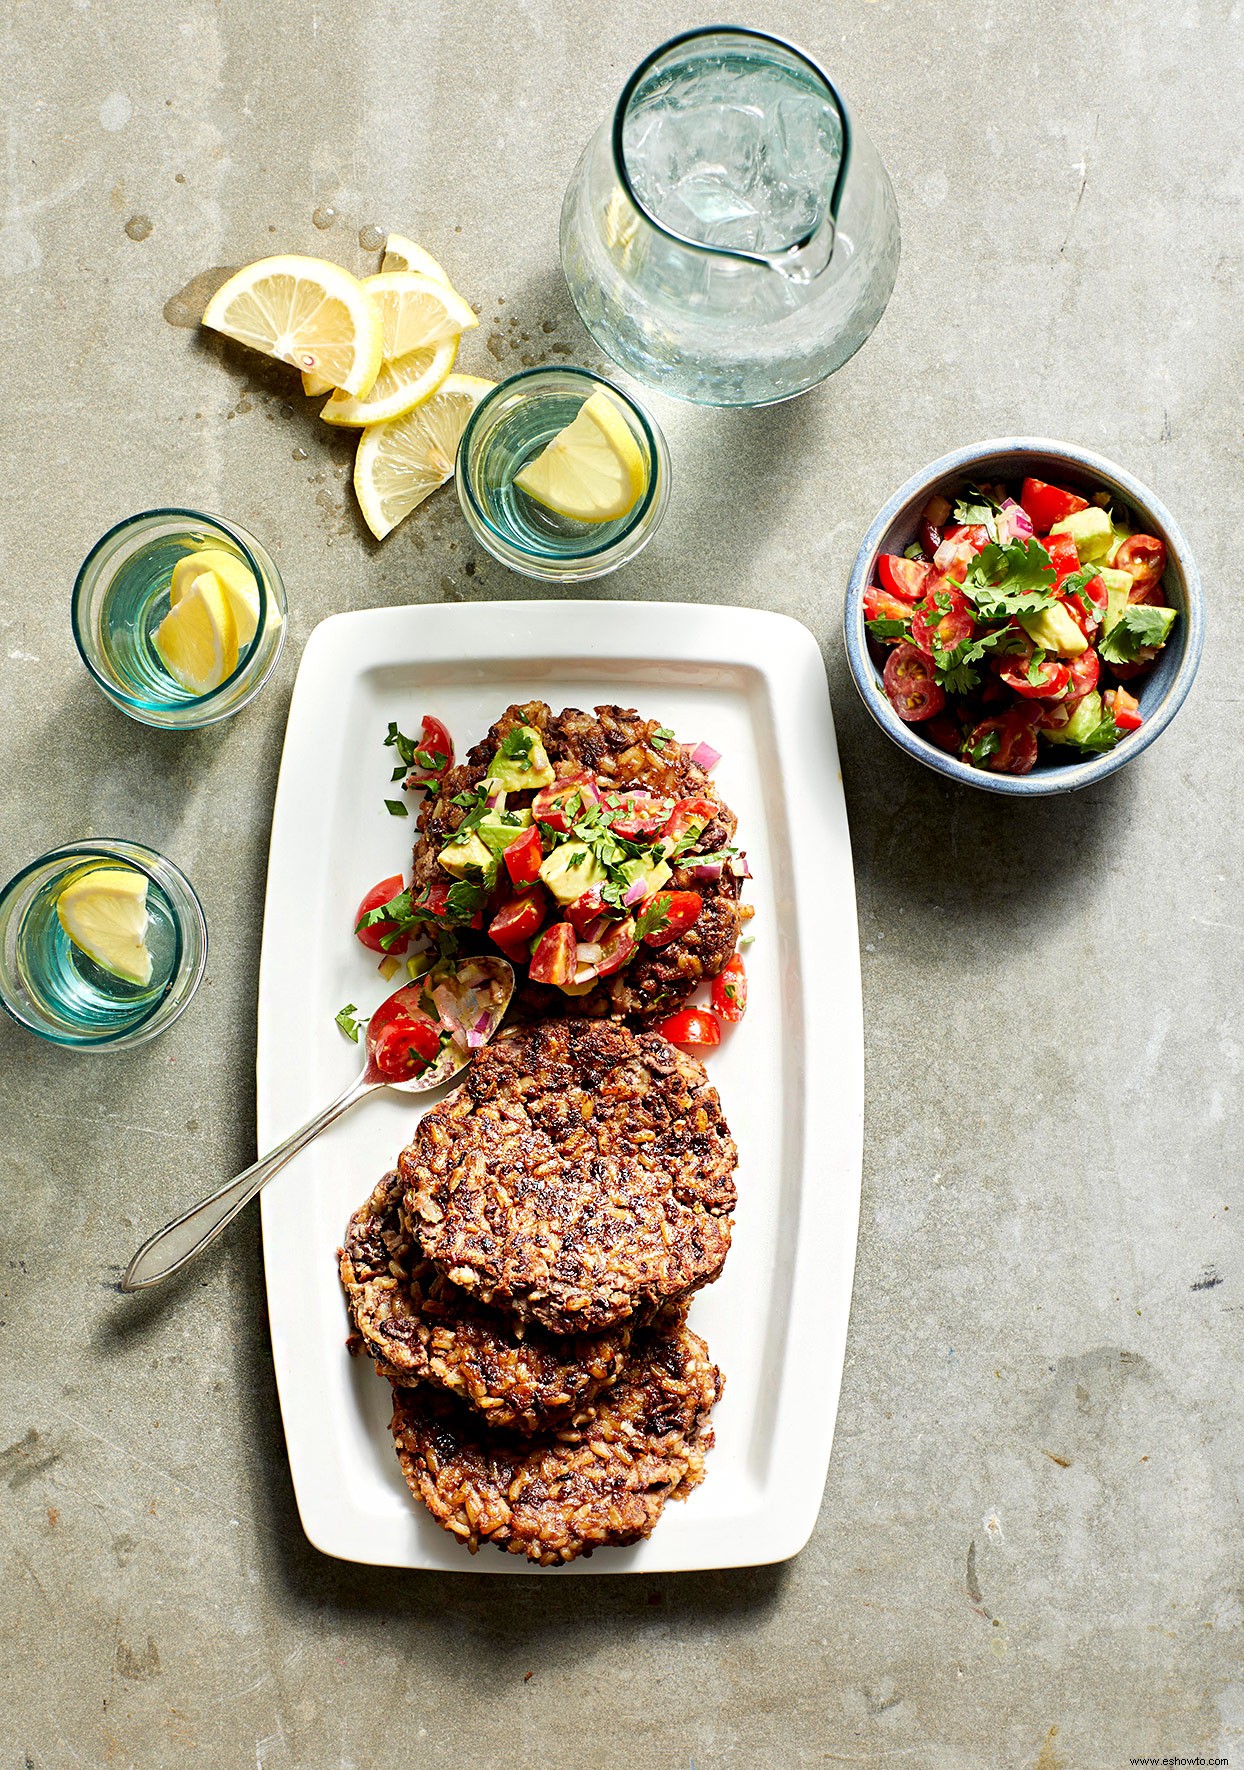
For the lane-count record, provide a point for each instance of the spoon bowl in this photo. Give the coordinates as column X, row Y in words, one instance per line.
column 470, row 1000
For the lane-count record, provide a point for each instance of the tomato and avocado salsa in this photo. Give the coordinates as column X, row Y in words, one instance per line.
column 1013, row 621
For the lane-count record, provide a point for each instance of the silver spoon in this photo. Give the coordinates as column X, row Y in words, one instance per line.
column 174, row 1246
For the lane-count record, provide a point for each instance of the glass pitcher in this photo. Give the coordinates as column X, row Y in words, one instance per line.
column 730, row 236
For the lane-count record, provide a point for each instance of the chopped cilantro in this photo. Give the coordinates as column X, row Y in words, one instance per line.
column 1011, row 580
column 465, row 897
column 977, row 506
column 346, row 1021
column 984, row 747
column 1104, row 735
column 915, row 551
column 517, row 743
column 1077, row 586
column 955, row 670
column 661, row 736
column 1139, row 625
column 404, row 746
column 397, row 808
column 1036, row 671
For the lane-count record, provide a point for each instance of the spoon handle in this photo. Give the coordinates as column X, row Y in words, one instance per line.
column 174, row 1246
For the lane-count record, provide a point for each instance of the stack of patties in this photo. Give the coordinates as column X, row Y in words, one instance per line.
column 523, row 1280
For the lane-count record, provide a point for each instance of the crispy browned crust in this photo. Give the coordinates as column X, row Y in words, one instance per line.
column 613, row 742
column 418, row 1327
column 604, row 1483
column 580, row 1172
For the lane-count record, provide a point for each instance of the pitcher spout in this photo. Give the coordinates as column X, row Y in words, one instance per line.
column 807, row 258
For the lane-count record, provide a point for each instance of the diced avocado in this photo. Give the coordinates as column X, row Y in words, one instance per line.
column 1085, row 719
column 521, row 762
column 1118, row 534
column 1054, row 630
column 1118, row 590
column 654, row 873
column 466, row 854
column 1090, row 530
column 499, row 828
column 571, row 870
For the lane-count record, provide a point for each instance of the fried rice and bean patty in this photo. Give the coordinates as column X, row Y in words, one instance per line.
column 418, row 1327
column 604, row 1483
column 581, row 1172
column 623, row 751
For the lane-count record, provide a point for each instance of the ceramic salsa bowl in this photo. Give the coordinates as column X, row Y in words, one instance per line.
column 1161, row 692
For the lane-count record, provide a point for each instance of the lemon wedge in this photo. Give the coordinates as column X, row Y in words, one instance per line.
column 399, row 387
column 198, row 638
column 592, row 471
column 235, row 578
column 304, row 311
column 403, row 254
column 421, row 321
column 399, row 463
column 104, row 913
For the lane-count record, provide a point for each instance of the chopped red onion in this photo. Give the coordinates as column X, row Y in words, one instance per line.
column 707, row 869
column 1014, row 524
column 636, row 890
column 739, row 866
column 589, row 952
column 597, row 929
column 494, row 799
column 584, row 973
column 704, row 756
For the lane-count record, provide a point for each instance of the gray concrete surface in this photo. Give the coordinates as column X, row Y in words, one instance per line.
column 1029, row 1551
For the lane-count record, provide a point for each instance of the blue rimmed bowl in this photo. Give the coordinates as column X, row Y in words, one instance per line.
column 1161, row 693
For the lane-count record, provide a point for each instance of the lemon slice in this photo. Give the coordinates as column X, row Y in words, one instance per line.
column 235, row 578
column 399, row 463
column 104, row 913
column 304, row 311
column 416, row 311
column 399, row 387
column 198, row 637
column 592, row 471
column 403, row 254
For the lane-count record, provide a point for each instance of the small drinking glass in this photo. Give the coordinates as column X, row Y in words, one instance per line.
column 507, row 429
column 122, row 594
column 54, row 989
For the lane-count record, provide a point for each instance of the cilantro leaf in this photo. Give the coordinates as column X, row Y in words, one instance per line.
column 1139, row 625
column 914, row 551
column 397, row 808
column 404, row 746
column 346, row 1021
column 661, row 736
column 655, row 917
column 1104, row 735
column 1077, row 584
column 984, row 748
column 517, row 743
column 465, row 897
column 954, row 670
column 882, row 629
column 1035, row 672
column 1013, row 580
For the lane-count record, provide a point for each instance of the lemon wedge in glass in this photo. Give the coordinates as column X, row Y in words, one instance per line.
column 421, row 321
column 235, row 578
column 198, row 638
column 304, row 311
column 399, row 463
column 104, row 913
column 593, row 470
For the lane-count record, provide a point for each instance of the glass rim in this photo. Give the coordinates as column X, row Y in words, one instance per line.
column 109, row 848
column 108, row 685
column 765, row 259
column 634, row 515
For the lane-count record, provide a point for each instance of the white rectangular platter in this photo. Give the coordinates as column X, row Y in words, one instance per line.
column 790, row 1075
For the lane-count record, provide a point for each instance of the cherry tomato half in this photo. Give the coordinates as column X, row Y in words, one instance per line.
column 1143, row 558
column 1048, row 504
column 516, row 921
column 404, row 1046
column 523, row 858
column 435, row 899
column 559, row 804
column 690, row 1026
column 1048, row 682
column 945, row 731
column 617, row 948
column 373, row 937
column 669, row 914
column 1016, row 749
column 880, row 605
column 943, row 619
column 908, row 679
column 553, row 960
column 1082, row 675
column 730, row 991
column 905, row 578
column 689, row 818
column 436, row 744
